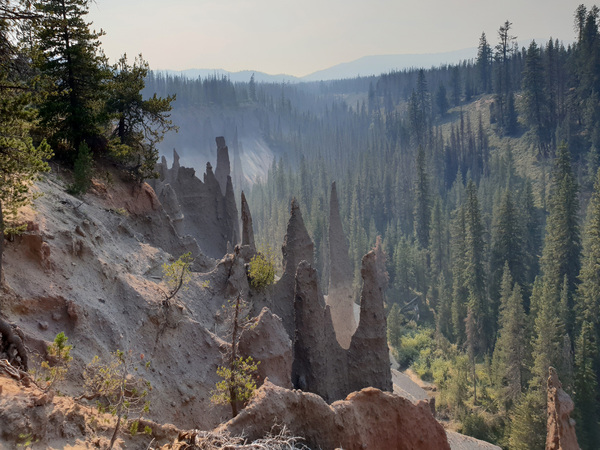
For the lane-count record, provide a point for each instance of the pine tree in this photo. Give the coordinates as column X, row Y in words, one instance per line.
column 459, row 290
column 422, row 200
column 484, row 64
column 510, row 352
column 437, row 240
column 528, row 422
column 586, row 387
column 21, row 161
column 74, row 73
column 588, row 293
column 478, row 330
column 507, row 246
column 560, row 256
column 534, row 97
column 140, row 124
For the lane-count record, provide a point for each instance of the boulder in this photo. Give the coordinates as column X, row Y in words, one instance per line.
column 369, row 419
column 268, row 342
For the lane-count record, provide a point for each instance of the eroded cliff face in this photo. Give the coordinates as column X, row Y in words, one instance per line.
column 340, row 294
column 560, row 427
column 204, row 209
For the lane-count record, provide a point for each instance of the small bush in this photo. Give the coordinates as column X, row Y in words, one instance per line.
column 46, row 375
column 412, row 344
column 82, row 171
column 238, row 382
column 262, row 270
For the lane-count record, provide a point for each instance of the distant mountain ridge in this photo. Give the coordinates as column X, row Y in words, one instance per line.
column 365, row 66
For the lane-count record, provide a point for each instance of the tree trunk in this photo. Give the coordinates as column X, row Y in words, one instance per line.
column 114, row 436
column 11, row 342
column 1, row 246
column 232, row 362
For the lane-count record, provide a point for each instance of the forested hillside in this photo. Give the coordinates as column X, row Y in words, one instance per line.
column 482, row 180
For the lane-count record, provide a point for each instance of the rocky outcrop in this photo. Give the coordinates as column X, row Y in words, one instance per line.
column 368, row 355
column 319, row 362
column 266, row 341
column 204, row 209
column 340, row 293
column 247, row 231
column 297, row 246
column 321, row 365
column 369, row 419
column 223, row 169
column 560, row 427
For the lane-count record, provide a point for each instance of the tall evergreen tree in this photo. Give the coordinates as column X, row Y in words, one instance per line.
column 478, row 330
column 21, row 161
column 588, row 293
column 507, row 246
column 586, row 387
column 459, row 289
column 484, row 64
column 510, row 351
column 535, row 101
column 422, row 200
column 74, row 71
column 561, row 252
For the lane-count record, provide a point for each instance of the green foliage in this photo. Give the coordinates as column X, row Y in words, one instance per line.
column 82, row 170
column 117, row 386
column 133, row 429
column 238, row 382
column 413, row 345
column 52, row 372
column 177, row 275
column 528, row 422
column 262, row 270
column 510, row 353
column 139, row 124
column 21, row 162
column 74, row 73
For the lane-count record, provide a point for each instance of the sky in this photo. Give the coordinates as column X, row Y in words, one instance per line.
column 301, row 37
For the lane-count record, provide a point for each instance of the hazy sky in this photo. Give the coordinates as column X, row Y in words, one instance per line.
column 302, row 36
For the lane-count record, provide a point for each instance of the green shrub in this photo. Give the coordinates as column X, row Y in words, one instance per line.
column 82, row 171
column 47, row 375
column 262, row 270
column 411, row 345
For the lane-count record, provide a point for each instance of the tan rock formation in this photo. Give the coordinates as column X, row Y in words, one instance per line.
column 560, row 427
column 369, row 419
column 268, row 342
column 319, row 362
column 297, row 246
column 206, row 209
column 247, row 231
column 340, row 294
column 223, row 169
column 368, row 355
column 321, row 365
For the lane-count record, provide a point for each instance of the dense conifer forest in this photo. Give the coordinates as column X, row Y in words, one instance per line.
column 482, row 179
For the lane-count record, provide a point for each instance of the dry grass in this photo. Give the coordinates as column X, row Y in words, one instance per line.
column 278, row 439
